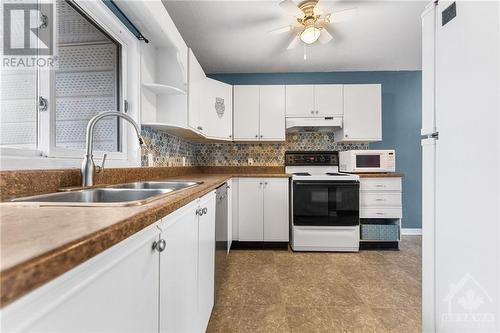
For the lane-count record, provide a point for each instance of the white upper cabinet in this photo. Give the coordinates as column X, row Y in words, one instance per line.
column 259, row 113
column 299, row 100
column 246, row 112
column 362, row 113
column 328, row 100
column 272, row 112
column 217, row 111
column 314, row 100
column 196, row 80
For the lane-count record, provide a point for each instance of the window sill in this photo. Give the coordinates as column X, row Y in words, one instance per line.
column 9, row 162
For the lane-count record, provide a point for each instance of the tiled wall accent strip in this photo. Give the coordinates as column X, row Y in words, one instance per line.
column 169, row 150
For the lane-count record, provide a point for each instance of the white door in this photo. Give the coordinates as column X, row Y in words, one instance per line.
column 250, row 209
column 467, row 215
column 178, row 271
column 272, row 112
column 276, row 224
column 246, row 113
column 115, row 291
column 328, row 100
column 206, row 260
column 362, row 112
column 196, row 80
column 300, row 100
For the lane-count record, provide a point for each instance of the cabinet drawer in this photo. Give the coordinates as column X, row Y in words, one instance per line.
column 380, row 213
column 384, row 199
column 380, row 184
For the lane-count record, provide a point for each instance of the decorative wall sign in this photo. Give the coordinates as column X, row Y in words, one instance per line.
column 219, row 106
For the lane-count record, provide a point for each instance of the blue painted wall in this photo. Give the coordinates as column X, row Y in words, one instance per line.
column 401, row 120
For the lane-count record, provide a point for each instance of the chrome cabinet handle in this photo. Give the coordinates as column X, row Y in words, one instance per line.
column 261, row 135
column 312, row 111
column 379, row 185
column 256, row 135
column 379, row 199
column 265, row 183
column 200, row 128
column 159, row 245
column 199, row 212
column 205, row 210
column 317, row 111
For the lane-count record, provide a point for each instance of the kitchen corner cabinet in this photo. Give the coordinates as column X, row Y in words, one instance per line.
column 115, row 291
column 314, row 100
column 263, row 209
column 217, row 110
column 259, row 113
column 362, row 113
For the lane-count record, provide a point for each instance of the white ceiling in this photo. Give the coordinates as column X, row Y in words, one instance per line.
column 232, row 37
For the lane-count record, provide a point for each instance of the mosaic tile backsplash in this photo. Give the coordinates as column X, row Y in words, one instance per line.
column 168, row 150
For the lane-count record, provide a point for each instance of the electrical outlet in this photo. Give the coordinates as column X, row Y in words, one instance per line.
column 250, row 161
column 183, row 161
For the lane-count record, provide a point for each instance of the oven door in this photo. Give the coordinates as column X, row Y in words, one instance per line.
column 325, row 203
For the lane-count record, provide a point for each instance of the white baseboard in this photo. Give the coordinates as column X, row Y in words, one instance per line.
column 411, row 231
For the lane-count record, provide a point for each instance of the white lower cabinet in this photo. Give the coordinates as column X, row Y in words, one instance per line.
column 206, row 260
column 115, row 291
column 263, row 209
column 160, row 279
column 187, row 267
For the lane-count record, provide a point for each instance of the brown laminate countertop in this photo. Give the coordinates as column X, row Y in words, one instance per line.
column 40, row 243
column 381, row 175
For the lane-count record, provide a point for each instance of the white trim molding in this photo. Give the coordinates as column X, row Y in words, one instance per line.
column 411, row 231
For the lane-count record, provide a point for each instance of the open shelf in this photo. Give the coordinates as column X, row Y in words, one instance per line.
column 163, row 89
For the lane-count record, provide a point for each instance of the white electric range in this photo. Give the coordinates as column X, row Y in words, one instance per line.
column 324, row 203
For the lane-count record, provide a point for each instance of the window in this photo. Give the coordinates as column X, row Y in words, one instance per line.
column 95, row 57
column 86, row 81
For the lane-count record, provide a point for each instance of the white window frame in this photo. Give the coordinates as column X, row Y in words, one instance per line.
column 48, row 155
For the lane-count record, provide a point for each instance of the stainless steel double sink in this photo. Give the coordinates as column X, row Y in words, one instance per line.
column 129, row 194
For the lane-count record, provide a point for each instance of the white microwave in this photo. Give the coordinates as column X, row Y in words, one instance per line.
column 367, row 160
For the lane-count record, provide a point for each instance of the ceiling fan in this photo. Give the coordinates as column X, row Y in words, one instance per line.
column 312, row 21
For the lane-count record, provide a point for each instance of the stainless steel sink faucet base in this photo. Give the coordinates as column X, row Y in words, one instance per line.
column 88, row 166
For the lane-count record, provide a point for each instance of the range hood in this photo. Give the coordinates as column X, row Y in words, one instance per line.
column 317, row 124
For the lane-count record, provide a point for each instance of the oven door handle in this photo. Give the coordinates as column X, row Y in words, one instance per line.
column 330, row 183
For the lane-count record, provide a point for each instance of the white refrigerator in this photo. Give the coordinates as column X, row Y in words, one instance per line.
column 460, row 156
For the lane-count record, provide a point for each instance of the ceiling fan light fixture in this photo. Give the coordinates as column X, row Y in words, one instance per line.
column 310, row 34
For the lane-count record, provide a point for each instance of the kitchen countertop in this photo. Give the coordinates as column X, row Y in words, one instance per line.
column 381, row 175
column 39, row 244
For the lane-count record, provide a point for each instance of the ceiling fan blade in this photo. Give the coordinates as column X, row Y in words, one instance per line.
column 294, row 43
column 319, row 9
column 342, row 15
column 281, row 30
column 290, row 7
column 325, row 36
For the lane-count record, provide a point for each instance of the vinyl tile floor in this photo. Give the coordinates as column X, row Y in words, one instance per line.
column 284, row 291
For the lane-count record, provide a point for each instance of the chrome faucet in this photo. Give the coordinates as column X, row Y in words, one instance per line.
column 88, row 166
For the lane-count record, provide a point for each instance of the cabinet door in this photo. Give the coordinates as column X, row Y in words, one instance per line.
column 299, row 100
column 363, row 112
column 115, row 291
column 272, row 112
column 206, row 260
column 229, row 214
column 328, row 100
column 178, row 271
column 196, row 80
column 217, row 111
column 246, row 113
column 250, row 209
column 276, row 224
